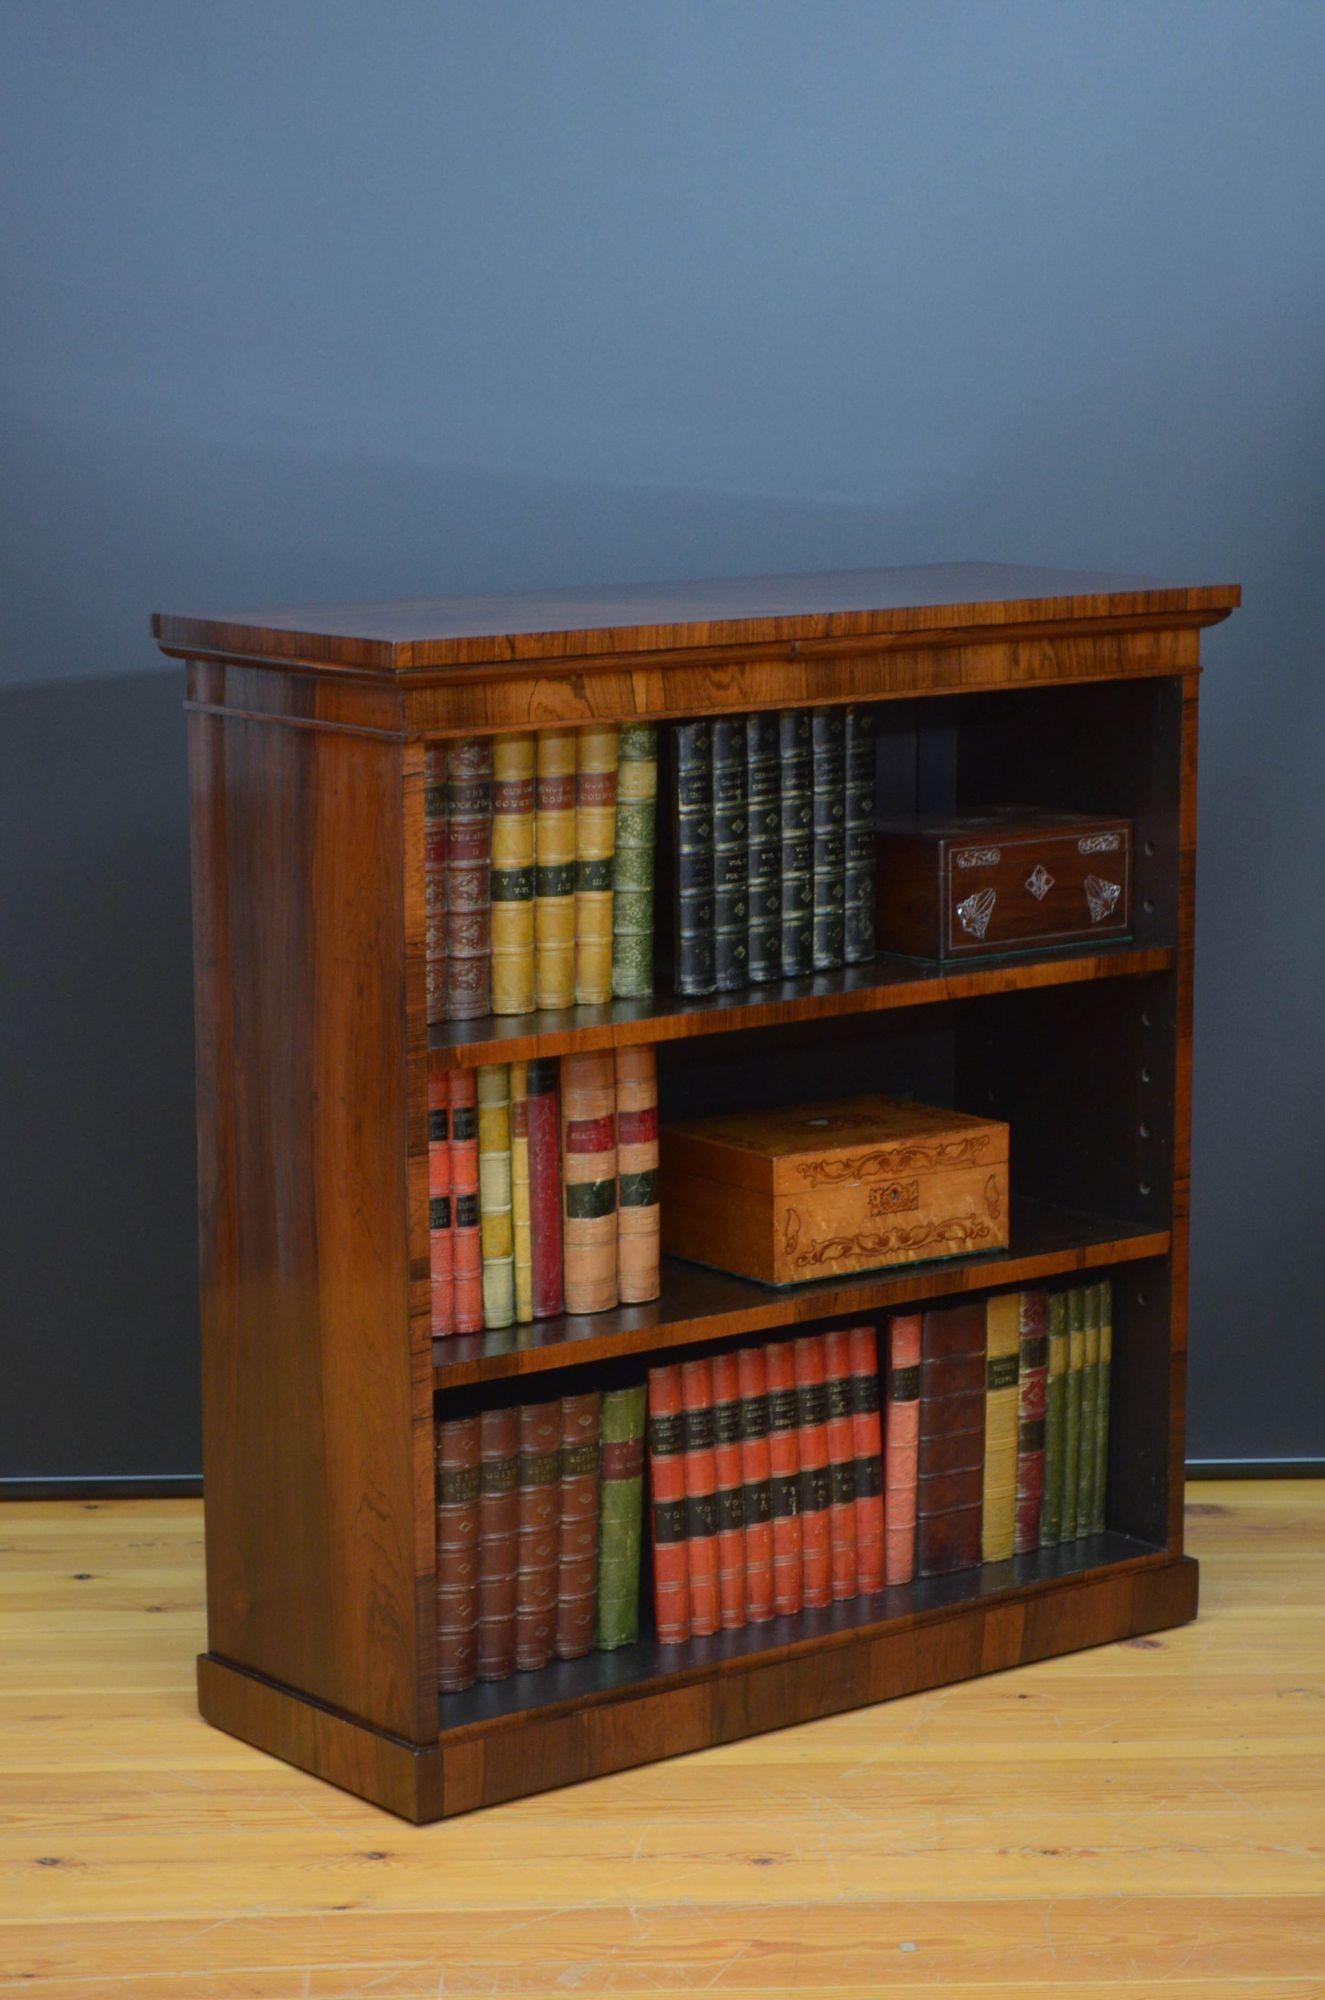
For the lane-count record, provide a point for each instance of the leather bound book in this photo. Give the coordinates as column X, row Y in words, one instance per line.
column 441, row 1282
column 521, row 1225
column 756, row 1492
column 1090, row 1381
column 496, row 1235
column 901, row 1447
column 731, row 895
column 692, row 810
column 784, row 1477
column 950, row 1461
column 1055, row 1403
column 457, row 1552
column 468, row 878
column 632, row 884
column 538, row 1509
column 513, row 874
column 701, row 1501
column 577, row 1534
column 667, row 1506
column 1100, row 1455
column 554, row 868
column 763, row 805
column 858, row 910
column 434, row 877
column 828, row 766
column 841, row 1462
column 728, row 1490
column 1034, row 1345
column 638, row 1215
column 498, row 1529
column 1002, row 1380
column 595, row 844
column 1076, row 1359
column 466, row 1251
column 796, row 820
column 589, row 1166
column 867, row 1449
column 620, row 1517
column 543, row 1120
column 816, row 1486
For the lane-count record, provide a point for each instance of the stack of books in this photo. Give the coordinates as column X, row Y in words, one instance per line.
column 543, row 1189
column 538, row 870
column 539, row 1510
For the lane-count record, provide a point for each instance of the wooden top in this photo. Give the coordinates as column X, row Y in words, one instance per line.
column 769, row 1149
column 428, row 633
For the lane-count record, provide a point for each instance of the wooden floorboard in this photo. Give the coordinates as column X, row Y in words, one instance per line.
column 1147, row 1818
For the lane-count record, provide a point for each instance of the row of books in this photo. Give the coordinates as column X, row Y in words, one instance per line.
column 539, row 1510
column 543, row 1189
column 538, row 869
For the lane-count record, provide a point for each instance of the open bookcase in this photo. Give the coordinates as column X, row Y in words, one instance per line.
column 321, row 1380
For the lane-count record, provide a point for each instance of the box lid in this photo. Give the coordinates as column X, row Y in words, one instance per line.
column 832, row 1144
column 1001, row 822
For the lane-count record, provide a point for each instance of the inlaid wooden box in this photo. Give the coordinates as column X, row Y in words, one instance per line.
column 1010, row 880
column 787, row 1195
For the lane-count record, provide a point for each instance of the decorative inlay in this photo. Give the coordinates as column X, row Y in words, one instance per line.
column 978, row 857
column 1101, row 896
column 1099, row 843
column 893, row 1199
column 1039, row 882
column 975, row 911
column 890, row 1161
column 993, row 1197
column 956, row 1233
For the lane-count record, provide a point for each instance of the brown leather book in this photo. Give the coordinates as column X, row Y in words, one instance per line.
column 577, row 1535
column 457, row 1552
column 499, row 1464
column 950, row 1468
column 538, row 1512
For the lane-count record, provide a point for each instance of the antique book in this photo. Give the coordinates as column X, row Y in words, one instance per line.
column 512, row 874
column 589, row 1168
column 595, row 842
column 728, row 1492
column 1034, row 1349
column 457, row 1446
column 756, row 1491
column 434, row 877
column 543, row 1120
column 577, row 1532
column 700, row 1491
column 1055, row 1410
column 667, row 1505
column 468, row 878
column 1090, row 1381
column 493, row 1082
column 814, row 1190
column 901, row 1447
column 554, row 868
column 784, row 1477
column 694, row 962
column 499, row 1467
column 828, row 786
column 841, row 1461
column 731, row 896
column 632, row 882
column 1002, row 1379
column 521, row 1224
column 950, row 1458
column 441, row 1281
column 638, row 1223
column 796, row 822
column 620, row 1517
column 867, row 1448
column 538, row 1509
column 763, row 805
column 858, row 890
column 466, row 1250
column 1100, row 1454
column 1076, row 1359
column 815, row 1481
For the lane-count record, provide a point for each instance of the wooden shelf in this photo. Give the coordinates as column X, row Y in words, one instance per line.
column 698, row 1304
column 888, row 981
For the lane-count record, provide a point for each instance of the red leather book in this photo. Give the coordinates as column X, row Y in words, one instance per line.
column 1034, row 1350
column 729, row 1491
column 434, row 877
column 756, row 1491
column 543, row 1118
column 589, row 1170
column 538, row 1510
column 457, row 1447
column 701, row 1502
column 468, row 878
column 841, row 1462
column 902, row 1440
column 667, row 1506
column 577, row 1539
column 441, row 1286
column 499, row 1465
column 466, row 1250
column 951, row 1460
column 867, row 1444
column 784, row 1476
column 816, row 1490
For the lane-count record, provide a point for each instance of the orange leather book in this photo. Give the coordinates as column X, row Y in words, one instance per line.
column 701, row 1502
column 841, row 1462
column 816, row 1490
column 667, row 1506
column 784, row 1472
column 457, row 1447
column 577, row 1538
column 728, row 1490
column 756, row 1490
column 867, row 1441
column 902, row 1443
column 538, row 1511
column 466, row 1249
column 499, row 1464
column 441, row 1286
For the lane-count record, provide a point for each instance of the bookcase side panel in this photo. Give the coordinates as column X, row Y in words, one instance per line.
column 1182, row 1101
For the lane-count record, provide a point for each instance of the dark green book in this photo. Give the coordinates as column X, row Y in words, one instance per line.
column 858, row 910
column 1055, row 1396
column 796, row 820
column 1100, row 1469
column 763, row 805
column 1076, row 1356
column 731, row 895
column 620, row 1517
column 692, row 807
column 828, row 738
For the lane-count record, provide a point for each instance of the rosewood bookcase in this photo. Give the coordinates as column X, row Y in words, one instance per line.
column 306, row 740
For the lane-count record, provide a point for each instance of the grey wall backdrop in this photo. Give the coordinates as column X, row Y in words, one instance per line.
column 331, row 300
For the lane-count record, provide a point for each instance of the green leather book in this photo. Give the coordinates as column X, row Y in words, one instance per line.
column 1055, row 1396
column 636, row 825
column 620, row 1516
column 1100, row 1468
column 1090, row 1382
column 1076, row 1356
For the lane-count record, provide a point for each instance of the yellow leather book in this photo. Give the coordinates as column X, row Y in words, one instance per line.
column 554, row 873
column 521, row 1231
column 595, row 845
column 513, row 875
column 496, row 1238
column 1002, row 1373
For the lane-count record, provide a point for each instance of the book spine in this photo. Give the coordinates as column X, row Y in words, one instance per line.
column 815, row 1484
column 1090, row 1378
column 667, row 1506
column 521, row 1215
column 498, row 1536
column 638, row 1214
column 554, row 868
column 1055, row 1399
column 543, row 1119
column 538, row 1509
column 434, row 877
column 950, row 1461
column 796, row 824
column 468, row 878
column 867, row 1451
column 841, row 1463
column 828, row 784
column 729, row 1496
column 701, row 1497
column 784, row 1477
column 756, row 1491
column 588, row 1153
column 1034, row 1351
column 457, row 1553
column 494, row 1194
column 441, row 1280
column 1002, row 1383
column 1100, row 1456
column 636, row 838
column 513, row 875
column 858, row 910
column 577, row 1533
column 1076, row 1357
column 620, row 1512
column 466, row 1251
column 595, row 843
column 763, row 805
column 901, row 1448
column 695, row 963
column 731, row 861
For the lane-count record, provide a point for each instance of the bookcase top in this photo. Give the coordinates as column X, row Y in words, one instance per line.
column 440, row 632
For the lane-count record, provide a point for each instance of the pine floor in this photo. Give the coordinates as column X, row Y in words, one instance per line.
column 1148, row 1818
